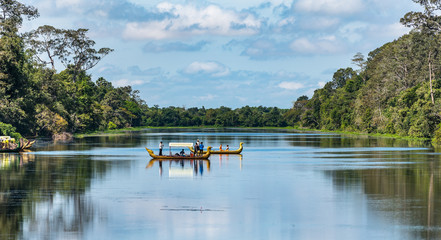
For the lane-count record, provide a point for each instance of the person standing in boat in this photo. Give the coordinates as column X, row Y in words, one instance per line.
column 201, row 148
column 228, row 148
column 220, row 147
column 161, row 146
column 196, row 148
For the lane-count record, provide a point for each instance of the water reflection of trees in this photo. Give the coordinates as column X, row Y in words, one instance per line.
column 344, row 141
column 49, row 183
column 408, row 192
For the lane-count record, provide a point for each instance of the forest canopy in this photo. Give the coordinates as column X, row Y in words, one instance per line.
column 396, row 90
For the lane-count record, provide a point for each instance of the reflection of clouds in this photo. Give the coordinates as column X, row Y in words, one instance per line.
column 63, row 217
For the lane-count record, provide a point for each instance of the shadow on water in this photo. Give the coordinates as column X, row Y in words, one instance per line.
column 405, row 185
column 42, row 196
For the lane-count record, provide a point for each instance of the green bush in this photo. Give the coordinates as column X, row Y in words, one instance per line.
column 9, row 130
column 111, row 125
column 436, row 140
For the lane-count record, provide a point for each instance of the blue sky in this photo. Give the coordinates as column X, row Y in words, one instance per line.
column 227, row 53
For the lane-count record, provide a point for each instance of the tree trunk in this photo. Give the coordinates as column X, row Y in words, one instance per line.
column 430, row 78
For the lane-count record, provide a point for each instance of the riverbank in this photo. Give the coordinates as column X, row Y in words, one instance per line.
column 379, row 135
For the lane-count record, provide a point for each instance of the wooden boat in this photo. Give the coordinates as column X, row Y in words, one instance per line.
column 7, row 144
column 239, row 150
column 9, row 150
column 177, row 157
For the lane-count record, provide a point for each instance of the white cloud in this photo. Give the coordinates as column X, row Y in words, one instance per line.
column 291, row 85
column 334, row 7
column 189, row 20
column 207, row 97
column 321, row 84
column 393, row 30
column 303, row 45
column 353, row 31
column 67, row 3
column 323, row 45
column 127, row 82
column 212, row 68
column 286, row 21
column 319, row 22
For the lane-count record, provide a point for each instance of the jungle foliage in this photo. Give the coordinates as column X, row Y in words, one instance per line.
column 39, row 100
column 396, row 90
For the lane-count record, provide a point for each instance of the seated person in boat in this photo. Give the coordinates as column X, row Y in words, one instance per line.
column 182, row 153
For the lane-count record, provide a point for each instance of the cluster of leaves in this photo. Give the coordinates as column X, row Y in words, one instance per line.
column 397, row 90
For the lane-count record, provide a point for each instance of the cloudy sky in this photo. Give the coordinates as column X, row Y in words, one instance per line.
column 226, row 52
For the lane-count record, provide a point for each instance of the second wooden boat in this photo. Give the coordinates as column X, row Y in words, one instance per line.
column 239, row 150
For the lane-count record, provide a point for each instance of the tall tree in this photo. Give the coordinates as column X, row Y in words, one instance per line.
column 429, row 24
column 77, row 51
column 11, row 15
column 46, row 40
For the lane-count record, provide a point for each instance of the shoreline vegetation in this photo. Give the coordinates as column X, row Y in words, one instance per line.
column 135, row 129
column 394, row 92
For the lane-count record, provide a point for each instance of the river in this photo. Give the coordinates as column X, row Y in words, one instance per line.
column 285, row 185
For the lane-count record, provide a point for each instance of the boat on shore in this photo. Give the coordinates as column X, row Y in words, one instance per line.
column 8, row 144
column 238, row 151
column 178, row 157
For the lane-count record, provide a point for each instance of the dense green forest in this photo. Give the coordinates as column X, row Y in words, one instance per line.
column 395, row 90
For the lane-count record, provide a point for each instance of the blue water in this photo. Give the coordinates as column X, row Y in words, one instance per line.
column 284, row 185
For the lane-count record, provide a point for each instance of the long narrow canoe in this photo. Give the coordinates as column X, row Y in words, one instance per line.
column 239, row 150
column 204, row 156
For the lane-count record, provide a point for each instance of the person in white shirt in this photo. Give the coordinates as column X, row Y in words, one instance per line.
column 161, row 146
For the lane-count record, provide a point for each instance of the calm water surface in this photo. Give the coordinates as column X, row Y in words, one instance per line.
column 284, row 185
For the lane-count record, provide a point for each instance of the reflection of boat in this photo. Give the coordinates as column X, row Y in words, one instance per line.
column 191, row 161
column 223, row 151
column 12, row 159
column 177, row 157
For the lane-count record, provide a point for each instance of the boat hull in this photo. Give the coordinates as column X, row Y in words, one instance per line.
column 238, row 151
